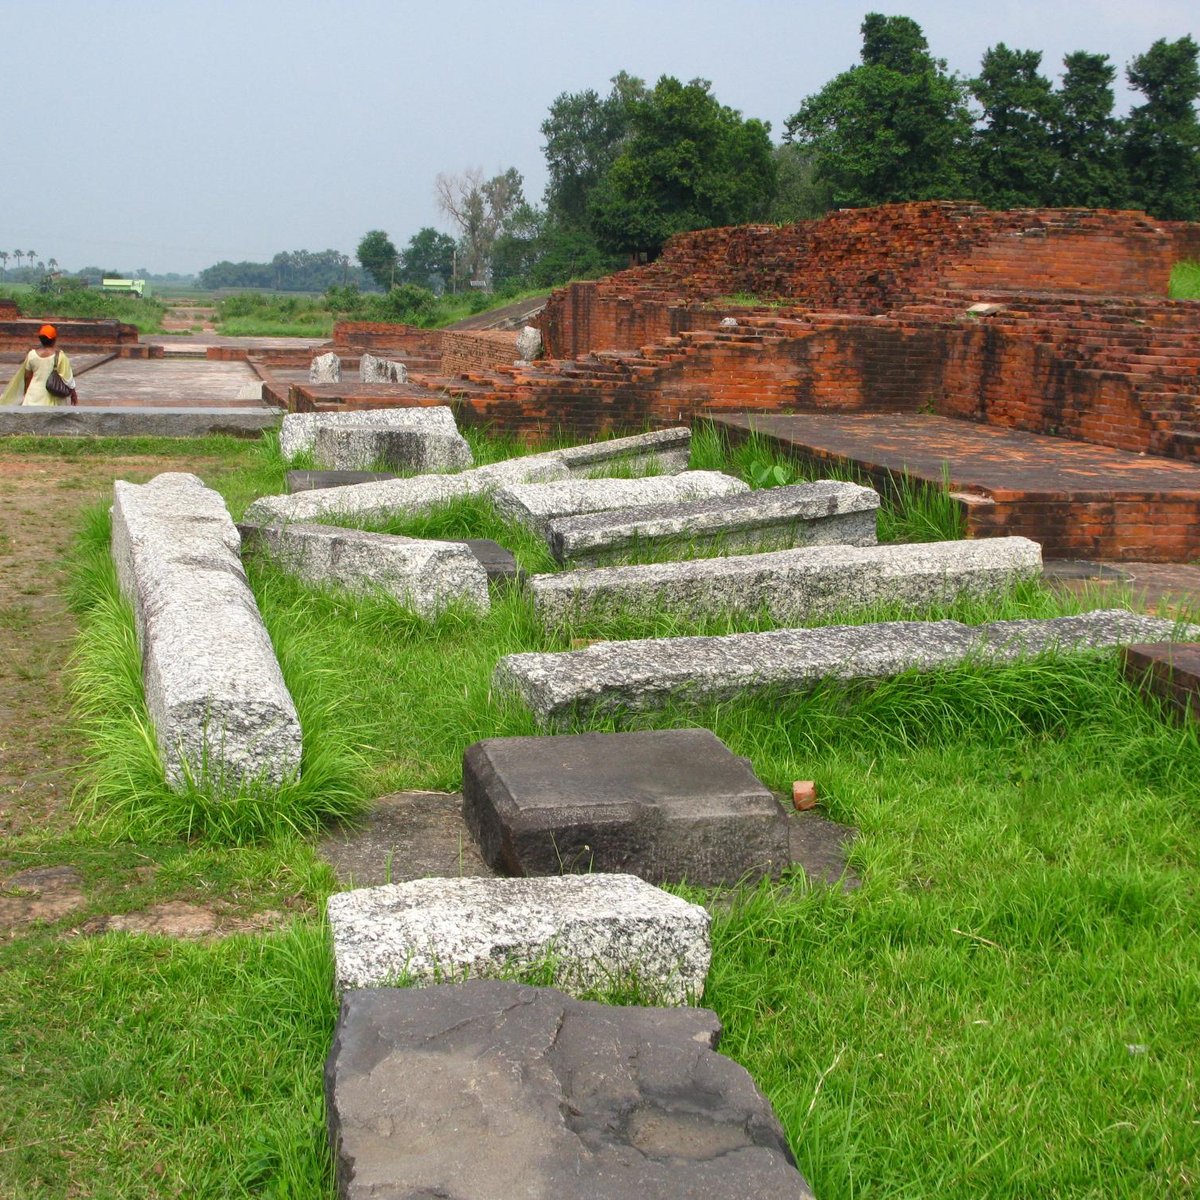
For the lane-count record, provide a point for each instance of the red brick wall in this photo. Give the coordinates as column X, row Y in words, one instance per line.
column 1185, row 237
column 72, row 335
column 477, row 350
column 378, row 336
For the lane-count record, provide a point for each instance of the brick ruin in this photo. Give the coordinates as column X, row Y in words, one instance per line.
column 1044, row 321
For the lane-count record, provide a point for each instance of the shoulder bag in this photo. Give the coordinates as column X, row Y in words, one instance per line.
column 56, row 385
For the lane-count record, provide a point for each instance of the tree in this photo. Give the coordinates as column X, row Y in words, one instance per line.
column 1085, row 136
column 429, row 255
column 689, row 163
column 1162, row 144
column 800, row 195
column 3, row 261
column 18, row 255
column 481, row 209
column 1016, row 165
column 584, row 134
column 894, row 127
column 378, row 257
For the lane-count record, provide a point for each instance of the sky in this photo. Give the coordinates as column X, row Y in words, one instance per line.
column 171, row 134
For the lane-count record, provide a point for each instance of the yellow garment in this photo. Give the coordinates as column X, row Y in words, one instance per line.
column 36, row 393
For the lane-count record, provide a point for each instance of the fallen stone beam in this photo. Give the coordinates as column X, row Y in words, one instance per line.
column 666, row 450
column 791, row 585
column 298, row 431
column 222, row 713
column 592, row 931
column 491, row 1090
column 654, row 673
column 360, row 447
column 804, row 514
column 536, row 504
column 668, row 805
column 388, row 498
column 426, row 576
column 1170, row 671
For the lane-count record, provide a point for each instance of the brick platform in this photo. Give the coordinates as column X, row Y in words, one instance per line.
column 1168, row 669
column 1078, row 500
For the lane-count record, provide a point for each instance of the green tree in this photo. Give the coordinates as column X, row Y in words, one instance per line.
column 1162, row 144
column 429, row 255
column 1016, row 165
column 894, row 127
column 584, row 133
column 482, row 210
column 1085, row 136
column 689, row 163
column 378, row 256
column 800, row 194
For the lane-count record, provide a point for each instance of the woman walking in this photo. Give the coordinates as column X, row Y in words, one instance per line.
column 34, row 373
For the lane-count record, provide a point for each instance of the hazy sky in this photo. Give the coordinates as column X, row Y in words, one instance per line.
column 171, row 134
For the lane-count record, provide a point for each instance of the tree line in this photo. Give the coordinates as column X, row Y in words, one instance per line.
column 628, row 169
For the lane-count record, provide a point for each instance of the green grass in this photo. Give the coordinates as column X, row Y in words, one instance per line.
column 1008, row 1006
column 1185, row 281
column 91, row 304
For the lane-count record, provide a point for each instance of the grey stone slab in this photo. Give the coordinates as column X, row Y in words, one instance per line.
column 95, row 421
column 536, row 504
column 299, row 430
column 827, row 512
column 221, row 710
column 372, row 369
column 654, row 673
column 425, row 576
column 490, row 1090
column 360, row 447
column 404, row 836
column 364, row 502
column 820, row 848
column 791, row 585
column 592, row 932
column 667, row 451
column 308, row 481
column 665, row 805
column 325, row 368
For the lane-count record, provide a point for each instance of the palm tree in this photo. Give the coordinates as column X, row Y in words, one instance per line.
column 4, row 256
column 18, row 255
column 52, row 264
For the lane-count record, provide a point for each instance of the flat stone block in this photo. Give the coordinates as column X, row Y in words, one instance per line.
column 360, row 447
column 401, row 497
column 665, row 805
column 298, row 432
column 791, row 585
column 654, row 673
column 490, row 1090
column 425, row 576
column 308, row 481
column 535, row 504
column 96, row 421
column 498, row 561
column 666, row 450
column 804, row 514
column 221, row 710
column 595, row 931
column 1169, row 670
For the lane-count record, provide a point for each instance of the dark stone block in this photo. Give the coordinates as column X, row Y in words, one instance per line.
column 666, row 805
column 1170, row 670
column 498, row 562
column 488, row 1090
column 308, row 481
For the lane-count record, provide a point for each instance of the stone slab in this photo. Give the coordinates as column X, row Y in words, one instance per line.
column 791, row 586
column 94, row 421
column 665, row 805
column 491, row 1090
column 221, row 710
column 666, row 451
column 535, row 504
column 655, row 673
column 404, row 836
column 827, row 512
column 308, row 481
column 498, row 561
column 388, row 498
column 591, row 932
column 1168, row 670
column 325, row 368
column 359, row 447
column 426, row 576
column 372, row 369
column 298, row 432
column 820, row 848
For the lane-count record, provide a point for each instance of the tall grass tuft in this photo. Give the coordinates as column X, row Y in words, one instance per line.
column 125, row 792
